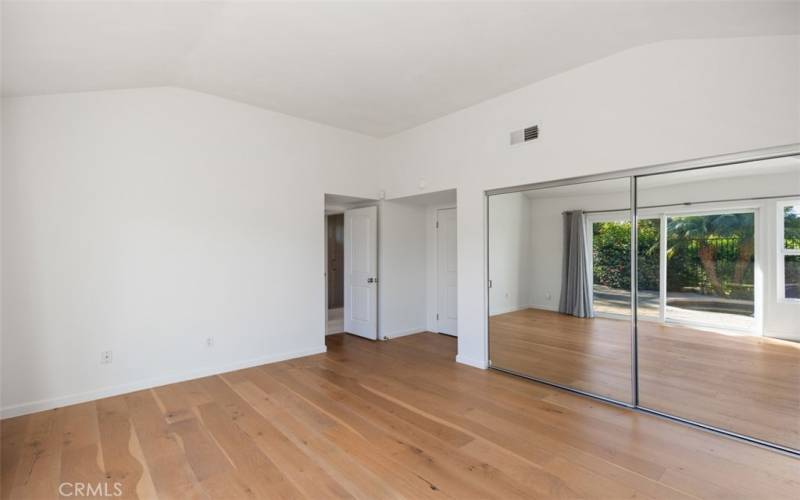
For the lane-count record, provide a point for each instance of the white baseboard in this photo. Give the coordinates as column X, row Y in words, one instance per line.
column 471, row 362
column 48, row 404
column 509, row 309
column 403, row 333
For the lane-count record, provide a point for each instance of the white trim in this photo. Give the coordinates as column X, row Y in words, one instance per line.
column 404, row 333
column 48, row 404
column 511, row 309
column 472, row 362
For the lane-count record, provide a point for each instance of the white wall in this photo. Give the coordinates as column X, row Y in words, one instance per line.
column 662, row 102
column 510, row 253
column 403, row 273
column 144, row 221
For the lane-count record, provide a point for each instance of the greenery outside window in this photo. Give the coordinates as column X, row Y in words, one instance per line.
column 789, row 251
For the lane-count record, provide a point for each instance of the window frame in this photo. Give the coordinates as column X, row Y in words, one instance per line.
column 783, row 252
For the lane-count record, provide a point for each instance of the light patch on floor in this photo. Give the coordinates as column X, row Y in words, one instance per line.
column 335, row 322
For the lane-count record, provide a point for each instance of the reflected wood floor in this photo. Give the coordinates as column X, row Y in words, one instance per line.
column 396, row 419
column 746, row 384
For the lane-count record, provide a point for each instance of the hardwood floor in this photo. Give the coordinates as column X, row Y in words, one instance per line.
column 396, row 419
column 745, row 384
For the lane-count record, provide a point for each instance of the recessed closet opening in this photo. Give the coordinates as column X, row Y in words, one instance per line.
column 418, row 264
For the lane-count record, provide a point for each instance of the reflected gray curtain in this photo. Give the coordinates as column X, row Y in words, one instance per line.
column 576, row 284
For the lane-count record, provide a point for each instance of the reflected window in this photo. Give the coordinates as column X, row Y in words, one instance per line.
column 789, row 243
column 710, row 269
column 611, row 265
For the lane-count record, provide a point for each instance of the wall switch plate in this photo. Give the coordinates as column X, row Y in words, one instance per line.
column 105, row 357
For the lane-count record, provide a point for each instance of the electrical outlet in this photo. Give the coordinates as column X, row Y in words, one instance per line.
column 105, row 357
column 548, row 296
column 210, row 342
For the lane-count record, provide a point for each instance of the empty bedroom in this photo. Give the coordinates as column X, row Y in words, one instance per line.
column 373, row 250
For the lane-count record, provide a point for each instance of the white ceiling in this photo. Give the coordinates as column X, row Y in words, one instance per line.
column 376, row 68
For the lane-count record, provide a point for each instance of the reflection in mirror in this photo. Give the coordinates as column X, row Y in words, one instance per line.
column 559, row 302
column 718, row 335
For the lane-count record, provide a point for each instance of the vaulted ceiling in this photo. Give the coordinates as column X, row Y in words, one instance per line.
column 375, row 68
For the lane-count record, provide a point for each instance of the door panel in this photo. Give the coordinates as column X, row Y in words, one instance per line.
column 447, row 278
column 361, row 264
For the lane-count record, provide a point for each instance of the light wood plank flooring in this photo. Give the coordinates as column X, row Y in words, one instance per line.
column 396, row 419
column 746, row 384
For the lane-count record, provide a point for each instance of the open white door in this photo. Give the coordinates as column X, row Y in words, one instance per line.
column 446, row 277
column 361, row 271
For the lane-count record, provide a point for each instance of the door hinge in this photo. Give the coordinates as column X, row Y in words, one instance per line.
column 437, row 316
column 490, row 283
column 437, row 224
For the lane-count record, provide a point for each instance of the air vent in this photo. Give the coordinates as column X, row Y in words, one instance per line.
column 524, row 135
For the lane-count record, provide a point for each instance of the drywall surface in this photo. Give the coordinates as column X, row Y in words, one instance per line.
column 657, row 103
column 402, row 276
column 510, row 257
column 145, row 222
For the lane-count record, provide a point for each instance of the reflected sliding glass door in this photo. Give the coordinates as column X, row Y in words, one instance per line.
column 716, row 335
column 727, row 352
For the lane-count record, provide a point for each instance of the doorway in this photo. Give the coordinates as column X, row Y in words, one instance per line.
column 335, row 273
column 351, row 266
column 418, row 268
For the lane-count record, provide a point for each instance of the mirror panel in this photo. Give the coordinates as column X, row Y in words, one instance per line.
column 560, row 295
column 718, row 335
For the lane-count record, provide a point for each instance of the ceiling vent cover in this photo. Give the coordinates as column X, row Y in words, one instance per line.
column 524, row 135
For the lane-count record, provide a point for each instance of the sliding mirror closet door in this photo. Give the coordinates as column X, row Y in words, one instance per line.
column 560, row 286
column 718, row 301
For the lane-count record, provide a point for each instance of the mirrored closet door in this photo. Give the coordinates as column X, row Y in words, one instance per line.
column 708, row 332
column 560, row 295
column 718, row 311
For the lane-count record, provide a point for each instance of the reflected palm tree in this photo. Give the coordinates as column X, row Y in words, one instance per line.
column 702, row 230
